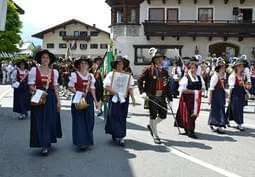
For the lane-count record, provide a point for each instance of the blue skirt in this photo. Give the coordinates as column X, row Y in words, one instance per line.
column 117, row 119
column 252, row 89
column 45, row 123
column 235, row 108
column 83, row 123
column 217, row 116
column 21, row 101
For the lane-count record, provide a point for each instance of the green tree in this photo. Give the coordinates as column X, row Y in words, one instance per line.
column 11, row 35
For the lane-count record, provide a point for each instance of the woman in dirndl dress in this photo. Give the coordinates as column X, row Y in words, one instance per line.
column 21, row 102
column 191, row 86
column 83, row 120
column 252, row 89
column 118, row 104
column 217, row 98
column 236, row 99
column 45, row 119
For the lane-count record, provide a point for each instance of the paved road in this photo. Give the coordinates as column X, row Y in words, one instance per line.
column 212, row 155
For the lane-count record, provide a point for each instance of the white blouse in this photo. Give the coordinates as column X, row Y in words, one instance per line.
column 32, row 76
column 214, row 80
column 232, row 80
column 179, row 72
column 73, row 79
column 108, row 80
column 183, row 83
column 14, row 74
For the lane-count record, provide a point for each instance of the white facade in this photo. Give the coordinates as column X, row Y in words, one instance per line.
column 54, row 38
column 126, row 36
column 26, row 49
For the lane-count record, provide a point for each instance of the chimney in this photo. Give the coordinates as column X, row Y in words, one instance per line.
column 94, row 25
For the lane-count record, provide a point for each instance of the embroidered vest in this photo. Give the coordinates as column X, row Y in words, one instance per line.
column 41, row 81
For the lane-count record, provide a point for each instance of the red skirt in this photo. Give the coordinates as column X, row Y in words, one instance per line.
column 184, row 115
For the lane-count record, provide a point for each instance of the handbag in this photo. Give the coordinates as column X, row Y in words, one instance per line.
column 83, row 103
column 42, row 100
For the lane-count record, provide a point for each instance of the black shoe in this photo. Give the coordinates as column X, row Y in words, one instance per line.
column 220, row 131
column 83, row 148
column 44, row 151
column 157, row 140
column 212, row 128
column 192, row 135
column 100, row 114
column 149, row 127
column 114, row 139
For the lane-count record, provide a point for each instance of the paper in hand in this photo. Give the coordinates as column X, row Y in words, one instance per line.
column 16, row 84
column 77, row 97
column 37, row 96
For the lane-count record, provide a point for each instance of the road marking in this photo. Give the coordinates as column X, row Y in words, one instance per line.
column 202, row 163
column 197, row 161
column 5, row 92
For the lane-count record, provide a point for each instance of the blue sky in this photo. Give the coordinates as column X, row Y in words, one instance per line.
column 43, row 14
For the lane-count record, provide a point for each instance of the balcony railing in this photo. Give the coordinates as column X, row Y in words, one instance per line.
column 78, row 38
column 212, row 28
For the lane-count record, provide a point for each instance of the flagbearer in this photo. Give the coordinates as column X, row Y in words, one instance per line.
column 154, row 82
column 21, row 102
column 118, row 104
column 191, row 86
column 217, row 98
column 83, row 119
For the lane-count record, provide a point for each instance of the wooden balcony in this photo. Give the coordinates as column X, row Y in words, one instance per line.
column 187, row 28
column 76, row 38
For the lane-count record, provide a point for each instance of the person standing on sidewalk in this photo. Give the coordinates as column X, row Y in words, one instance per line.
column 83, row 119
column 45, row 119
column 217, row 98
column 236, row 99
column 21, row 101
column 191, row 87
column 118, row 104
column 4, row 71
column 154, row 83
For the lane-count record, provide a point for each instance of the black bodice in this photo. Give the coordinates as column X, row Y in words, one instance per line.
column 196, row 85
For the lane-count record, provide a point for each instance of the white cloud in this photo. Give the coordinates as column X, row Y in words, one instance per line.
column 42, row 14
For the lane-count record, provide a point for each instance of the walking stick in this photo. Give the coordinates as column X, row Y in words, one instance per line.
column 167, row 111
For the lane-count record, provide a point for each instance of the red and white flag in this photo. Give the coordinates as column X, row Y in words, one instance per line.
column 73, row 45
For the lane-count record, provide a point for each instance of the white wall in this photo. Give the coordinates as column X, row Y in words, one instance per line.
column 53, row 37
column 187, row 11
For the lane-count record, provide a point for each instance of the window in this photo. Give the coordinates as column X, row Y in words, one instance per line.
column 157, row 15
column 119, row 16
column 132, row 16
column 83, row 46
column 83, row 33
column 172, row 15
column 62, row 46
column 50, row 46
column 142, row 56
column 93, row 46
column 62, row 33
column 94, row 33
column 76, row 33
column 103, row 46
column 205, row 15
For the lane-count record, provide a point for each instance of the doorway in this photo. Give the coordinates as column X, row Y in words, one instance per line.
column 227, row 48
